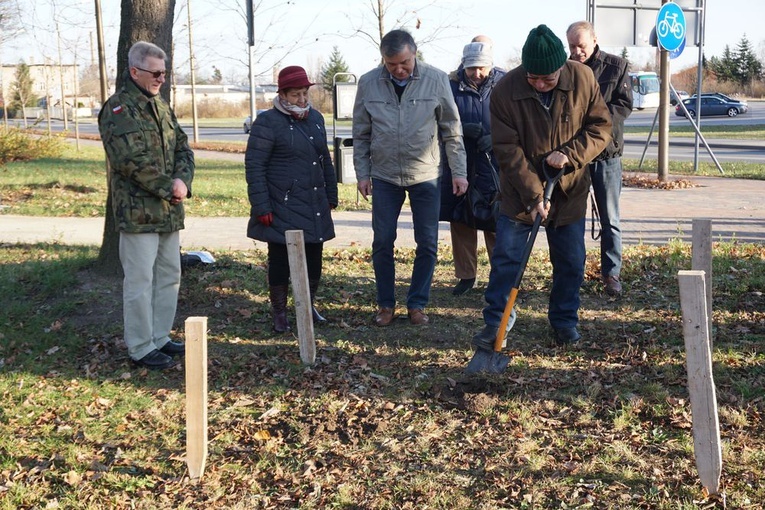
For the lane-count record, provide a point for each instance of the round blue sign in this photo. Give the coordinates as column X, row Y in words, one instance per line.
column 670, row 26
column 676, row 53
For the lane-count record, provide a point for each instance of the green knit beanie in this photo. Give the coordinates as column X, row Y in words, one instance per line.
column 543, row 53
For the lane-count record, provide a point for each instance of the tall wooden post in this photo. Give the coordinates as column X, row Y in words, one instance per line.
column 701, row 260
column 196, row 396
column 701, row 386
column 301, row 294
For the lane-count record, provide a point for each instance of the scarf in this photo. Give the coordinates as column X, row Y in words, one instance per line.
column 291, row 109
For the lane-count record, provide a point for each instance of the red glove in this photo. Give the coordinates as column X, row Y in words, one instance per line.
column 266, row 219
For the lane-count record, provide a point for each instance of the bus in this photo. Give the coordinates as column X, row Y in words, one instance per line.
column 645, row 90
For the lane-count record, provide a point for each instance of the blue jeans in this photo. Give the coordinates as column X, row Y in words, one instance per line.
column 567, row 254
column 607, row 185
column 387, row 199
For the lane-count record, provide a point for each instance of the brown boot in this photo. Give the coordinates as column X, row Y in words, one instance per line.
column 313, row 285
column 278, row 295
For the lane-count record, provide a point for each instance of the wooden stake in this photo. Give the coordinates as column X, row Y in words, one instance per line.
column 196, row 396
column 701, row 387
column 701, row 260
column 301, row 294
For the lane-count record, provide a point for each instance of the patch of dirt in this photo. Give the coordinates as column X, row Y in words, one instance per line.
column 99, row 300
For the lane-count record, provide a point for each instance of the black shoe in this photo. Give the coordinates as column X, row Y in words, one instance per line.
column 464, row 285
column 173, row 348
column 155, row 360
column 317, row 317
column 485, row 338
column 567, row 336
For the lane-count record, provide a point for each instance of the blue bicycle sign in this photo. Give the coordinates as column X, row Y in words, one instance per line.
column 670, row 26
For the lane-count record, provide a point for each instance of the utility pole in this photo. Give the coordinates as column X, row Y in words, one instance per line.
column 193, row 80
column 101, row 55
column 251, row 52
column 75, row 106
column 61, row 77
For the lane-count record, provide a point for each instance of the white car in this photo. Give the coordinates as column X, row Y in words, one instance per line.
column 248, row 121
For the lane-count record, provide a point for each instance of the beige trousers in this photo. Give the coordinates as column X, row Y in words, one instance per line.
column 465, row 248
column 152, row 267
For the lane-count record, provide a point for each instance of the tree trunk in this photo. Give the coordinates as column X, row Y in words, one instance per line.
column 142, row 20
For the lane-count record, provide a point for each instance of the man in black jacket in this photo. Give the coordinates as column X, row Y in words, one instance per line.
column 612, row 74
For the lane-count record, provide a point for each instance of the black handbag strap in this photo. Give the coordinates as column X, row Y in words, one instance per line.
column 494, row 175
column 310, row 140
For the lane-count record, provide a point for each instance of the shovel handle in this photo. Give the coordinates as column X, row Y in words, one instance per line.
column 552, row 180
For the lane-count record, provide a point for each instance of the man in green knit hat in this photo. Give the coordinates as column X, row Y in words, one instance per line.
column 547, row 110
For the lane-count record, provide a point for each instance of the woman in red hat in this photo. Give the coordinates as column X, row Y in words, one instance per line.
column 292, row 185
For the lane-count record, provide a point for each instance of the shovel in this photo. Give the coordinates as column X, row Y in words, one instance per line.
column 495, row 362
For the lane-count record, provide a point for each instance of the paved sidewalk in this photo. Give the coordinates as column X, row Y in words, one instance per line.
column 650, row 216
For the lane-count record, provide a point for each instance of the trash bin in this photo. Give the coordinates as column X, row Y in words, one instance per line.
column 346, row 174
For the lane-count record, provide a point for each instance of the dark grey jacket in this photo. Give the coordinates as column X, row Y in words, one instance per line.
column 290, row 174
column 612, row 75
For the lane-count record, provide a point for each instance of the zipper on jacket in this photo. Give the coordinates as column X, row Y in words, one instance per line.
column 289, row 190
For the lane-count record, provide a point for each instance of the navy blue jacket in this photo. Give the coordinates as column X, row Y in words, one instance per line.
column 473, row 106
column 290, row 174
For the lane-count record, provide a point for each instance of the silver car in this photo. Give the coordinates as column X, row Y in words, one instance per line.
column 248, row 121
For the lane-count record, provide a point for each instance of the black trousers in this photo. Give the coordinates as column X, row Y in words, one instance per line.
column 279, row 264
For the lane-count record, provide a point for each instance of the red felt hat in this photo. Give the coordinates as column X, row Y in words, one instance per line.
column 293, row 77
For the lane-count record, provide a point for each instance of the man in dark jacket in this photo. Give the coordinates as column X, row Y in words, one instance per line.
column 472, row 84
column 152, row 169
column 546, row 111
column 612, row 74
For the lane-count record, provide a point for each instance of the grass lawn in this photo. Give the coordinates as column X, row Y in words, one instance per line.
column 386, row 418
column 75, row 184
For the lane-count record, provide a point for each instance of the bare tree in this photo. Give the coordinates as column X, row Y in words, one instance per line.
column 142, row 20
column 273, row 36
column 428, row 21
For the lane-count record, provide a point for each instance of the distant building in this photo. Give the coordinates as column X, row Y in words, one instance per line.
column 234, row 94
column 46, row 81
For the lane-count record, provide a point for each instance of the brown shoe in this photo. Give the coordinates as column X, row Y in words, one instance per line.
column 612, row 285
column 417, row 316
column 384, row 316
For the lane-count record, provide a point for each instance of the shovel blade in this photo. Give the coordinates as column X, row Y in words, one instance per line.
column 487, row 361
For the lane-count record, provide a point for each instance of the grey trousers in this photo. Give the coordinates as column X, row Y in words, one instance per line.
column 152, row 267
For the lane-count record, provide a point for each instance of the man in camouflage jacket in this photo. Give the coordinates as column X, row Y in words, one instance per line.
column 152, row 168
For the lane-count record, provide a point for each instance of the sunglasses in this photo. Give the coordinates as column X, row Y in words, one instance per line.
column 155, row 74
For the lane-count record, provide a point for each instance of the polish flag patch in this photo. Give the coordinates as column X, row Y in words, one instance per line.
column 117, row 109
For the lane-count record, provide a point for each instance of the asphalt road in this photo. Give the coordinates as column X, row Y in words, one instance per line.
column 681, row 148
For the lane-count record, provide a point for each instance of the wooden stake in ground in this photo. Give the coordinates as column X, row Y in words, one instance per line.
column 301, row 295
column 196, row 396
column 701, row 260
column 701, row 386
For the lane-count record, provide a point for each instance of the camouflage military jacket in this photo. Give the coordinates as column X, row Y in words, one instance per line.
column 146, row 149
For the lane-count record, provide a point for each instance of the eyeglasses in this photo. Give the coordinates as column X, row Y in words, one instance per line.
column 155, row 74
column 549, row 78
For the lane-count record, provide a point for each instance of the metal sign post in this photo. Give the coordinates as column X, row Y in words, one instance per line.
column 632, row 23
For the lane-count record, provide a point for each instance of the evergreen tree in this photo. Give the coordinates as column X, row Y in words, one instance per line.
column 746, row 67
column 217, row 76
column 724, row 67
column 335, row 65
column 22, row 94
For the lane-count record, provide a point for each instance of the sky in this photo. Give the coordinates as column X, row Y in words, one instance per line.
column 304, row 32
